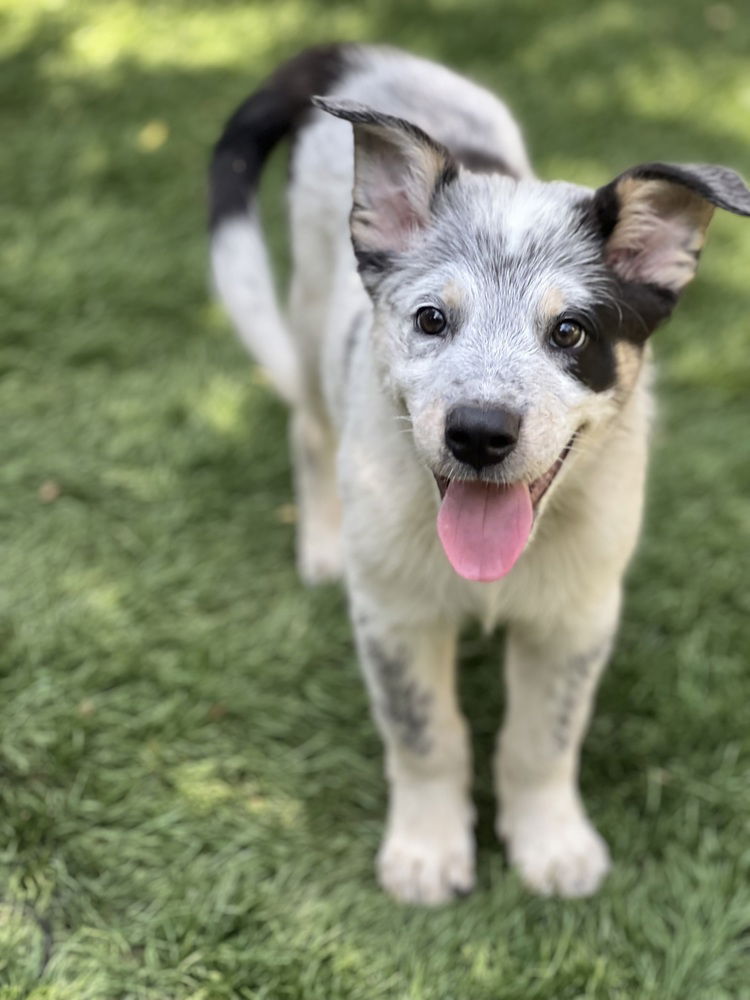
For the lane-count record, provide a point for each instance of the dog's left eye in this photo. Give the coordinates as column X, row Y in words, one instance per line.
column 568, row 335
column 430, row 320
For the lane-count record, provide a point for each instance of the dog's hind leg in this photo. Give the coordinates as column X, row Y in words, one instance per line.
column 550, row 684
column 427, row 854
column 318, row 507
column 313, row 441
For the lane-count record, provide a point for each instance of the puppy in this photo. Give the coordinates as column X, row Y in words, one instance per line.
column 466, row 361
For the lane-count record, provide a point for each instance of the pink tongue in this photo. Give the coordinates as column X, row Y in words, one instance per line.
column 484, row 528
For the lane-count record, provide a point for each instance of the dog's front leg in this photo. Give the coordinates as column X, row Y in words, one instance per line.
column 550, row 685
column 427, row 854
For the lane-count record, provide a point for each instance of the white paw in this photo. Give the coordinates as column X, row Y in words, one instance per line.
column 428, row 868
column 427, row 854
column 556, row 853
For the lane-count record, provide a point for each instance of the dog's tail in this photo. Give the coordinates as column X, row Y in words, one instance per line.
column 239, row 262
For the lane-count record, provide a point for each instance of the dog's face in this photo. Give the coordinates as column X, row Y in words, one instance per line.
column 510, row 316
column 503, row 314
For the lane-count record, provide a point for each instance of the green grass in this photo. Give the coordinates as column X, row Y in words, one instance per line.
column 191, row 785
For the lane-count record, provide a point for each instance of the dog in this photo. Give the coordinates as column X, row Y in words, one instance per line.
column 466, row 359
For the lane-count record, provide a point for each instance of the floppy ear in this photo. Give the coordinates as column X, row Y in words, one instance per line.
column 654, row 219
column 398, row 169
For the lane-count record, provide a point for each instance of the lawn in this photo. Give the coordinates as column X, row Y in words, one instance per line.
column 190, row 785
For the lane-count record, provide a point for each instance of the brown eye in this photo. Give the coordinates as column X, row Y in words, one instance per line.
column 430, row 320
column 568, row 335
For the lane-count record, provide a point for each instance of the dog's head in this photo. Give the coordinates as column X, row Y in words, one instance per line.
column 510, row 316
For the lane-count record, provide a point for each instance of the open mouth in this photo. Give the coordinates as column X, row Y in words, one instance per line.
column 537, row 488
column 484, row 527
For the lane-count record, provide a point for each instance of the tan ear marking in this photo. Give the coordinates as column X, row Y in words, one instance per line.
column 660, row 230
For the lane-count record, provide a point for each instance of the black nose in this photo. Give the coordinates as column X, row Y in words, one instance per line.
column 481, row 437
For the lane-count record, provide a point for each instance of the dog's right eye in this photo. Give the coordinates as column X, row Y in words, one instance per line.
column 430, row 320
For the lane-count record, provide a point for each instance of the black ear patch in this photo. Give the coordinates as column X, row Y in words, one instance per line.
column 651, row 221
column 626, row 313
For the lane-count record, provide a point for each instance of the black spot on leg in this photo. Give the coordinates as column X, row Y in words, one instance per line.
column 360, row 618
column 577, row 671
column 401, row 702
